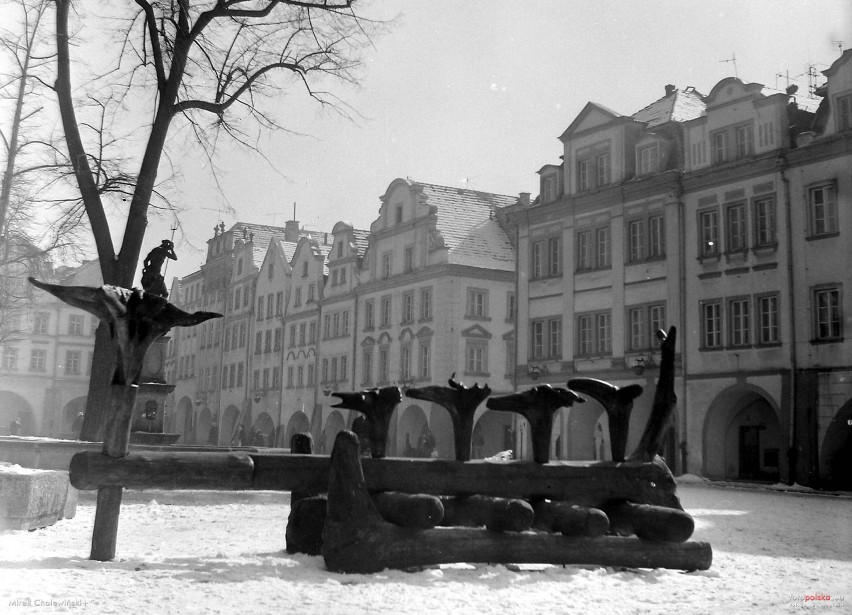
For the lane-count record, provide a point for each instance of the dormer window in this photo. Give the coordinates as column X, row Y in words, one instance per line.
column 239, row 266
column 844, row 112
column 340, row 250
column 398, row 214
column 594, row 167
column 602, row 169
column 305, row 269
column 647, row 159
column 548, row 188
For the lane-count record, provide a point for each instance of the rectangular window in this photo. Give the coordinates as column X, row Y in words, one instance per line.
column 369, row 314
column 383, row 364
column 255, row 380
column 290, row 377
column 711, row 324
column 279, row 303
column 240, row 370
column 387, row 265
column 333, row 370
column 385, row 312
column 302, row 331
column 73, row 359
column 709, row 228
column 324, row 374
column 277, row 339
column 367, row 367
column 292, row 337
column 267, row 341
column 276, row 378
column 41, row 322
column 424, row 361
column 745, row 140
column 636, row 240
column 477, row 303
column 297, row 295
column 720, row 146
column 764, row 222
column 583, row 175
column 300, row 375
column 603, row 332
column 237, row 297
column 602, row 170
column 554, row 256
column 827, row 316
column 767, row 312
column 637, row 327
column 736, row 227
column 656, row 237
column 343, row 374
column 548, row 188
column 844, row 112
column 311, row 374
column 602, row 248
column 408, row 259
column 408, row 307
column 258, row 342
column 546, row 338
column 312, row 332
column 511, row 306
column 334, row 277
column 647, row 160
column 585, row 331
column 405, row 362
column 335, row 330
column 344, row 323
column 38, row 360
column 476, row 358
column 75, row 324
column 739, row 324
column 312, row 289
column 270, row 303
column 426, row 304
column 823, row 209
column 510, row 357
column 10, row 359
column 537, row 260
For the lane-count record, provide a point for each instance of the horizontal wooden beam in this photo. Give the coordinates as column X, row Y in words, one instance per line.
column 222, row 471
column 590, row 484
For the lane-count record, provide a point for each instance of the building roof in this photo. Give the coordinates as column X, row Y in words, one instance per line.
column 679, row 106
column 468, row 226
column 262, row 234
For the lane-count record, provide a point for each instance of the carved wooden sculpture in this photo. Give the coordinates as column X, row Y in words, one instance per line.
column 537, row 405
column 461, row 402
column 136, row 320
column 378, row 406
column 665, row 400
column 618, row 403
column 357, row 540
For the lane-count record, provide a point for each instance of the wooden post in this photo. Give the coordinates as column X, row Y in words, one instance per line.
column 116, row 444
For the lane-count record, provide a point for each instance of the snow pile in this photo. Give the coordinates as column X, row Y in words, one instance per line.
column 223, row 552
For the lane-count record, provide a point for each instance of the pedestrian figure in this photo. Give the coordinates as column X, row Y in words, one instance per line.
column 15, row 427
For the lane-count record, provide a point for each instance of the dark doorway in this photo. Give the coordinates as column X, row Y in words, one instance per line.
column 749, row 451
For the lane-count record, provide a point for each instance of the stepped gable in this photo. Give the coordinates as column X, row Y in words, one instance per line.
column 467, row 222
column 679, row 106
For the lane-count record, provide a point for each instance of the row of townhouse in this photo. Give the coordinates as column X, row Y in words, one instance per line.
column 426, row 293
column 46, row 348
column 728, row 216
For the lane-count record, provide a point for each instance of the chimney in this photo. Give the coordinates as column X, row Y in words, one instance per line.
column 670, row 89
column 291, row 231
column 524, row 199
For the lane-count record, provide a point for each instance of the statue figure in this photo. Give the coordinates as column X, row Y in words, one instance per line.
column 152, row 280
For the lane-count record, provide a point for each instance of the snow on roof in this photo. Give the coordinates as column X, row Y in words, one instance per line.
column 467, row 223
column 679, row 106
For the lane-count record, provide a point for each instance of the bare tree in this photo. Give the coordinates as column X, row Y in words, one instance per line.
column 210, row 65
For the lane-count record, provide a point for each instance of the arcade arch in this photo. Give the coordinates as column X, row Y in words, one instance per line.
column 835, row 455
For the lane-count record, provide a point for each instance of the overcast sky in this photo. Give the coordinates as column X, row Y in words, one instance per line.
column 476, row 94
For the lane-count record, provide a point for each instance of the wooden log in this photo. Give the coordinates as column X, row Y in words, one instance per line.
column 570, row 519
column 537, row 405
column 156, row 470
column 417, row 510
column 618, row 404
column 590, row 484
column 305, row 525
column 496, row 514
column 357, row 540
column 648, row 522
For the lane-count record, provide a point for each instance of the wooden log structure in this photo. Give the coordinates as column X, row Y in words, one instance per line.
column 357, row 540
column 461, row 402
column 417, row 510
column 591, row 484
column 649, row 522
column 537, row 405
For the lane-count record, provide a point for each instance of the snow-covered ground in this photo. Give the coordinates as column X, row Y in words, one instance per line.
column 221, row 552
